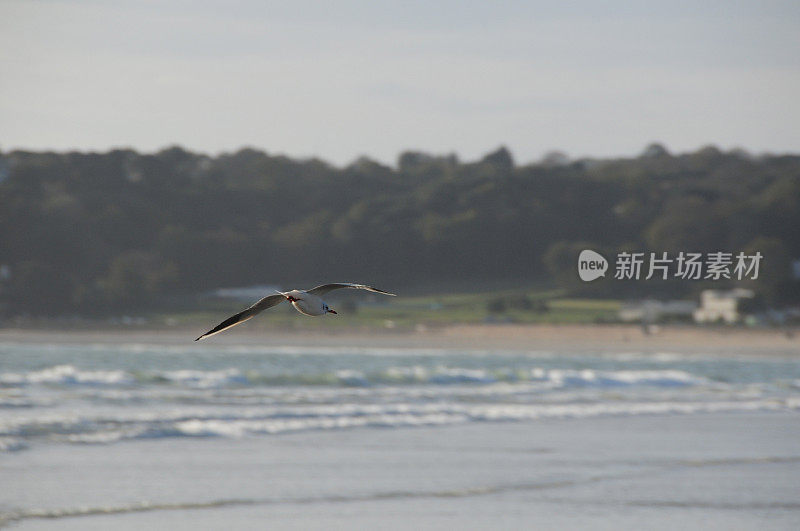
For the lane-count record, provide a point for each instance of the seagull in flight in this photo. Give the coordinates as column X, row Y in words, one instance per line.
column 306, row 302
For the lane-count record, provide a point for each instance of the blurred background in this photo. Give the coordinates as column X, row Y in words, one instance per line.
column 162, row 236
column 154, row 154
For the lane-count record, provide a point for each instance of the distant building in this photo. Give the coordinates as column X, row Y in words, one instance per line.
column 718, row 305
column 651, row 310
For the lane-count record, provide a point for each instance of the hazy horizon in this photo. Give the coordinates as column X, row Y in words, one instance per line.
column 393, row 162
column 360, row 79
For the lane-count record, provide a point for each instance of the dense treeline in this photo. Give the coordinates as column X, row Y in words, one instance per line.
column 90, row 232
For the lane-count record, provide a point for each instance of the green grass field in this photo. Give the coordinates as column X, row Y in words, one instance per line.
column 368, row 311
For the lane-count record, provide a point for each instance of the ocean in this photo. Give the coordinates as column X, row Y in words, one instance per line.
column 120, row 434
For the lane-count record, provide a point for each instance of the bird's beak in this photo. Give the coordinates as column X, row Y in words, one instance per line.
column 332, row 311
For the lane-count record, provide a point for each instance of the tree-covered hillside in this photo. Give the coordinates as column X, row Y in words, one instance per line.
column 93, row 232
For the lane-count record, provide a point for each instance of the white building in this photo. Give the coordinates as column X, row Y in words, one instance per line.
column 717, row 305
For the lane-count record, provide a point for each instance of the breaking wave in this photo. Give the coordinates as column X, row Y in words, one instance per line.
column 68, row 375
column 106, row 394
column 99, row 429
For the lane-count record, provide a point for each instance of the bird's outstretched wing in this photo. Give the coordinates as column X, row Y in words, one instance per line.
column 325, row 288
column 267, row 302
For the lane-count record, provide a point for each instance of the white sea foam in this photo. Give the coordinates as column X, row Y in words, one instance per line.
column 205, row 379
column 20, row 401
column 11, row 444
column 221, row 422
column 67, row 375
column 281, row 425
column 438, row 375
column 106, row 393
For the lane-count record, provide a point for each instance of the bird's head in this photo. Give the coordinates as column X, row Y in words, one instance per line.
column 328, row 310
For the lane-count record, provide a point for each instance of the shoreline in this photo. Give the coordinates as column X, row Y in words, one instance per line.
column 470, row 336
column 736, row 470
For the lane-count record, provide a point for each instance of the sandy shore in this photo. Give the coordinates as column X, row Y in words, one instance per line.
column 577, row 337
column 627, row 336
column 714, row 471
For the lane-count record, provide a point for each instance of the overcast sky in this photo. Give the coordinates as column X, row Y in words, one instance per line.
column 347, row 78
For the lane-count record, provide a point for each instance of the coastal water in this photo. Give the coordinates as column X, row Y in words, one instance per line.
column 77, row 418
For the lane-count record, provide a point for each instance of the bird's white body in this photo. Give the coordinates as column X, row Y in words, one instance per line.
column 307, row 302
